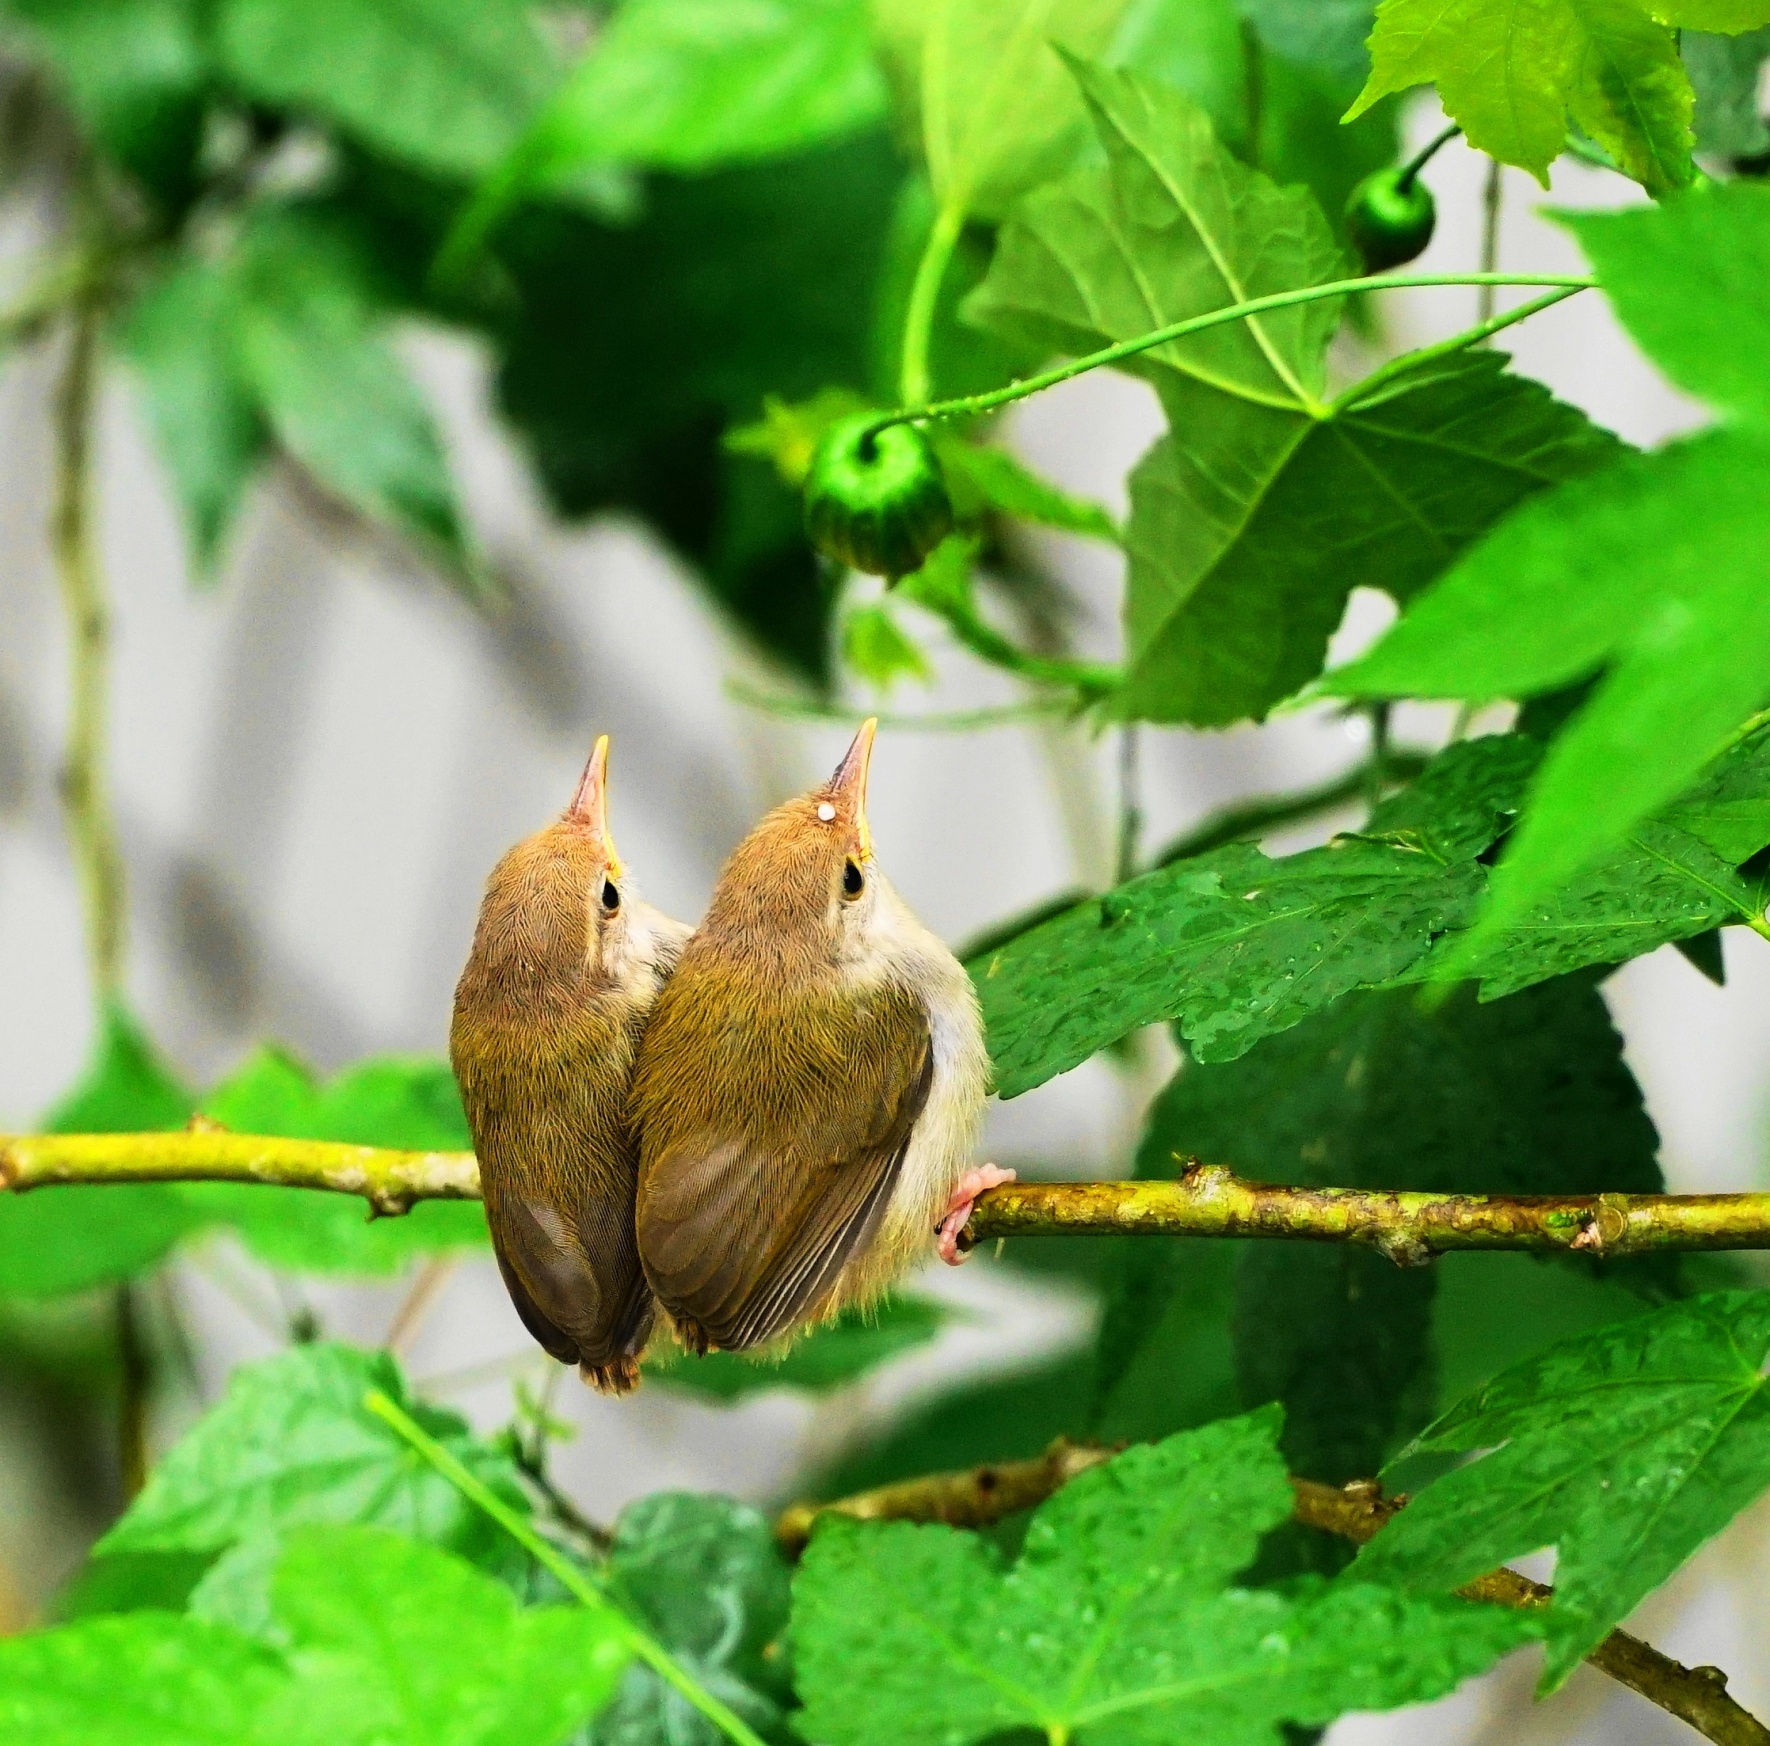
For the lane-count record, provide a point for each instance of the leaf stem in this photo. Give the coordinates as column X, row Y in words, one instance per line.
column 918, row 319
column 1470, row 336
column 83, row 776
column 570, row 1577
column 970, row 405
column 1425, row 155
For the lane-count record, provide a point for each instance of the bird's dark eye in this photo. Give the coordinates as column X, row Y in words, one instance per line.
column 853, row 881
column 611, row 898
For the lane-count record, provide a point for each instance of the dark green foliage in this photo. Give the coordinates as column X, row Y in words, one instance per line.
column 705, row 1576
column 825, row 1360
column 748, row 282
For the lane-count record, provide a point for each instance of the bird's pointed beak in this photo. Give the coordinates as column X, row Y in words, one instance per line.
column 589, row 806
column 848, row 787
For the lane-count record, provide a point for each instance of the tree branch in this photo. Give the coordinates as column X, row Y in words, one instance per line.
column 1207, row 1201
column 1409, row 1227
column 1357, row 1512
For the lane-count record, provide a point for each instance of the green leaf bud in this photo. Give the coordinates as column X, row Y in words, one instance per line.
column 875, row 499
column 1390, row 217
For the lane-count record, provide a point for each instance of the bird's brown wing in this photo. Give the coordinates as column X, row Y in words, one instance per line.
column 581, row 1294
column 769, row 1154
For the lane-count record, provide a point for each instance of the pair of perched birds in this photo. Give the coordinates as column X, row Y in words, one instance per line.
column 751, row 1124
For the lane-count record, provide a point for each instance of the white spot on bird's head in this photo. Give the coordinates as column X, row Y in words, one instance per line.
column 825, row 811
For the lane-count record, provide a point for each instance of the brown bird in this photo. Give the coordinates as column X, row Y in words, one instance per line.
column 567, row 962
column 809, row 1087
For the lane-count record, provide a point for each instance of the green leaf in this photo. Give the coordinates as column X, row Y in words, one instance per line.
column 997, row 112
column 1703, row 331
column 1249, row 533
column 1327, row 36
column 983, row 477
column 1528, row 1095
column 1233, row 944
column 1725, row 72
column 828, row 1359
column 446, row 85
column 134, row 73
column 406, row 1102
column 291, row 1444
column 693, row 84
column 1668, row 548
column 1115, row 1624
column 1513, row 76
column 1625, row 1449
column 876, row 649
column 142, row 1679
column 706, row 1576
column 61, row 1239
column 1668, row 551
column 309, row 340
column 397, row 1641
column 1173, row 226
column 638, row 347
column 178, row 335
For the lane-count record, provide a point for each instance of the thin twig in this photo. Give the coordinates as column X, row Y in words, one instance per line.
column 418, row 1302
column 85, row 791
column 1206, row 1200
column 978, row 1496
column 1491, row 193
column 134, row 1380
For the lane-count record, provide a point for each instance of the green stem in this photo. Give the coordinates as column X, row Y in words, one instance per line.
column 570, row 1577
column 1458, row 342
column 1425, row 155
column 918, row 320
column 970, row 405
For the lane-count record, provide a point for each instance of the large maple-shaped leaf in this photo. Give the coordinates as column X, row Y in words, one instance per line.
column 1265, row 504
column 1117, row 1623
column 1625, row 1449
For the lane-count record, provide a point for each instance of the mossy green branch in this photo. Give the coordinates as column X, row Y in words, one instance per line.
column 1409, row 1227
column 391, row 1182
column 1205, row 1201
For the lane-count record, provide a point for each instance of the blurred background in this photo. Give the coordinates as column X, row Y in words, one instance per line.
column 318, row 757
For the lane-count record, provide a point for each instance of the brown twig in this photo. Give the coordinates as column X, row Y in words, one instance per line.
column 978, row 1496
column 1206, row 1201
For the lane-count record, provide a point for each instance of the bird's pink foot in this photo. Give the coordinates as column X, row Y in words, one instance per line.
column 958, row 1209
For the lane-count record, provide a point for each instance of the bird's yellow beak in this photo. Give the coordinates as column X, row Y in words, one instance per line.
column 589, row 806
column 848, row 787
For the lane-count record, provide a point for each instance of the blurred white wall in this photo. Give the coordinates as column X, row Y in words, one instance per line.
column 317, row 761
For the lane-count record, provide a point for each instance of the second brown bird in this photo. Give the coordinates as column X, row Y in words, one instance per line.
column 809, row 1086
